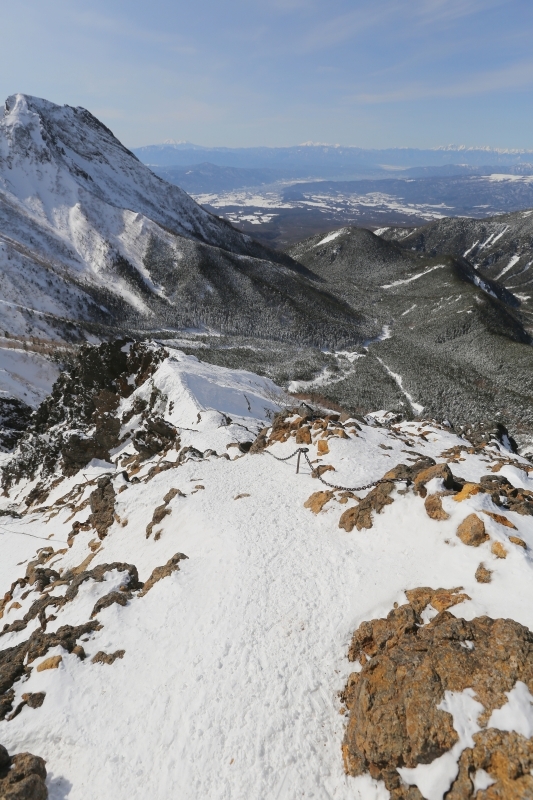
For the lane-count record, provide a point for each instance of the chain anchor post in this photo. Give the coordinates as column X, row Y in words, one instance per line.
column 300, row 451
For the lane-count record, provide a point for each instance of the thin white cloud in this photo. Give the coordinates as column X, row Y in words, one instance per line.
column 408, row 14
column 513, row 77
column 442, row 10
column 124, row 29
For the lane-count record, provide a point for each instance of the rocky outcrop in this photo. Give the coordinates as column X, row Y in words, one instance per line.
column 22, row 776
column 78, row 421
column 17, row 661
column 159, row 573
column 506, row 757
column 407, row 666
column 102, row 502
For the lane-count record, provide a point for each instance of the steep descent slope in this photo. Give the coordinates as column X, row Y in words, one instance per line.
column 453, row 342
column 89, row 235
column 189, row 634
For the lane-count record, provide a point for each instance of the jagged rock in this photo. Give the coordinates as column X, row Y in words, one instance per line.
column 318, row 500
column 22, row 776
column 162, row 511
column 14, row 419
column 394, row 719
column 517, row 540
column 303, row 435
column 322, row 447
column 318, row 471
column 120, row 598
column 159, row 514
column 483, row 575
column 107, row 658
column 157, row 436
column 171, row 566
column 471, row 531
column 102, row 501
column 77, row 422
column 259, row 443
column 441, row 471
column 361, row 515
column 433, row 506
column 440, row 599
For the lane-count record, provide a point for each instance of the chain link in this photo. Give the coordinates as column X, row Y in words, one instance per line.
column 316, row 473
column 300, row 450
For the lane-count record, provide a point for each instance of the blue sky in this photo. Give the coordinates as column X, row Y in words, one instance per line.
column 373, row 73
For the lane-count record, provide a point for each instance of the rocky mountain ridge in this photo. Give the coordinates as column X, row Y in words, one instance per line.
column 346, row 619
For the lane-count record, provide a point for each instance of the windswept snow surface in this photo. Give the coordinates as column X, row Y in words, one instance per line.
column 228, row 685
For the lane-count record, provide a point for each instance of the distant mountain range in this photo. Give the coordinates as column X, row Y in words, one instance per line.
column 332, row 159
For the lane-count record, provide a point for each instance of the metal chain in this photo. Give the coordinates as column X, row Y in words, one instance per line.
column 300, row 450
column 316, row 473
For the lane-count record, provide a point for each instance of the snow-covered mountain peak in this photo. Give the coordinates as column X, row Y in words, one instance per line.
column 102, row 240
column 86, row 157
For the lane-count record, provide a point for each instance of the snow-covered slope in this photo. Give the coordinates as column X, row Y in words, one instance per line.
column 500, row 247
column 89, row 236
column 219, row 678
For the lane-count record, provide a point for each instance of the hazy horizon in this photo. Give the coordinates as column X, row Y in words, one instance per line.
column 398, row 73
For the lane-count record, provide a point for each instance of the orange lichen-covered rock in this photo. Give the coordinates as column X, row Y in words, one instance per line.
column 517, row 540
column 468, row 490
column 393, row 701
column 500, row 519
column 322, row 447
column 498, row 550
column 317, row 501
column 472, row 531
column 433, row 506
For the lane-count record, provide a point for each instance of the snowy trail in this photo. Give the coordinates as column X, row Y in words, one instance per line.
column 228, row 687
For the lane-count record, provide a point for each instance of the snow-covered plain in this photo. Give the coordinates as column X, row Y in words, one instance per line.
column 229, row 684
